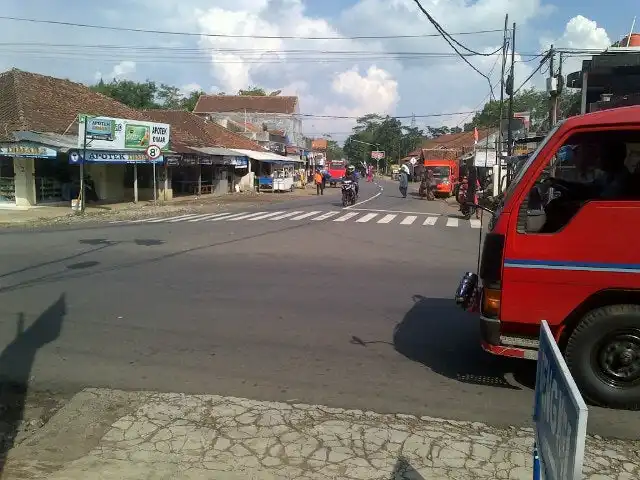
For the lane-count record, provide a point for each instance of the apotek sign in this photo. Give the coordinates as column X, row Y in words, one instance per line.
column 560, row 414
column 107, row 133
column 112, row 157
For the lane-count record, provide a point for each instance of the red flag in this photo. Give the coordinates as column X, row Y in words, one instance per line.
column 475, row 135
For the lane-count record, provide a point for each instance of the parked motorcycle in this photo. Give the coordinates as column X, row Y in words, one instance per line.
column 348, row 193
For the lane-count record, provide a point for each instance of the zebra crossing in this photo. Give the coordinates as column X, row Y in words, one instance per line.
column 337, row 216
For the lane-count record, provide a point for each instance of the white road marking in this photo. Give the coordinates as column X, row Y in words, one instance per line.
column 394, row 211
column 475, row 223
column 286, row 215
column 227, row 217
column 171, row 219
column 244, row 217
column 325, row 216
column 452, row 222
column 366, row 218
column 408, row 220
column 266, row 215
column 305, row 215
column 430, row 221
column 387, row 218
column 346, row 217
column 368, row 199
column 200, row 218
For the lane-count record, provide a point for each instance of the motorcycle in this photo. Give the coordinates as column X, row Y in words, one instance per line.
column 426, row 190
column 466, row 209
column 348, row 193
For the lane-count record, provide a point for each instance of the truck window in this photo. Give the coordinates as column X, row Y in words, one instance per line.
column 590, row 167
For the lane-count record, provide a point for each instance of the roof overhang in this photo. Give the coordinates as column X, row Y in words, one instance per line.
column 267, row 157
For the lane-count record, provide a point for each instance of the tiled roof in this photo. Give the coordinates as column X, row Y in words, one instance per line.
column 458, row 141
column 240, row 103
column 29, row 101
column 188, row 129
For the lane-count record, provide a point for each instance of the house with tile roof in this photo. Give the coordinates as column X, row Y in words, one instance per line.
column 40, row 156
column 39, row 131
column 267, row 113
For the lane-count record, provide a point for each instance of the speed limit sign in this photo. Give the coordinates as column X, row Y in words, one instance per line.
column 153, row 152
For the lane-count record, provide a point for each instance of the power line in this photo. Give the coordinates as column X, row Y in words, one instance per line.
column 445, row 36
column 542, row 62
column 221, row 35
column 182, row 50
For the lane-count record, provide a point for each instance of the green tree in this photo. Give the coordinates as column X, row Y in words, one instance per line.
column 188, row 102
column 334, row 151
column 170, row 97
column 136, row 95
column 529, row 100
column 373, row 132
column 253, row 91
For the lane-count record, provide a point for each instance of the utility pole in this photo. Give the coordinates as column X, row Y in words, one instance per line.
column 511, row 88
column 504, row 63
column 551, row 88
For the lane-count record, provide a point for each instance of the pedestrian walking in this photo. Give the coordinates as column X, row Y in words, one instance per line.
column 319, row 181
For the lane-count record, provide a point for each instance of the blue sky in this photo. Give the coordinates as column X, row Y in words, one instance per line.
column 363, row 76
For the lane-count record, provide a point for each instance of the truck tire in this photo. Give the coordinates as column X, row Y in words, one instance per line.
column 603, row 355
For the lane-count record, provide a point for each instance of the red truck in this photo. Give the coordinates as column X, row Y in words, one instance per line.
column 562, row 247
column 447, row 174
column 337, row 170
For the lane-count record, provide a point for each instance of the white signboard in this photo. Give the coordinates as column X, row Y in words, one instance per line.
column 560, row 414
column 377, row 154
column 484, row 158
column 106, row 133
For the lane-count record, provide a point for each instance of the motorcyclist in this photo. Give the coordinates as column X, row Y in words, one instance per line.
column 350, row 174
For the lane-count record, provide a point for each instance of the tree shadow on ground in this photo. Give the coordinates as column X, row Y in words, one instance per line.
column 16, row 362
column 446, row 339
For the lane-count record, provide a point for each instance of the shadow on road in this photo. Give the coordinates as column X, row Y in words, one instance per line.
column 404, row 471
column 98, row 244
column 16, row 362
column 441, row 336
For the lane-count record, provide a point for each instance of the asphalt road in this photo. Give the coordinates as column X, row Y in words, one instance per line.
column 355, row 314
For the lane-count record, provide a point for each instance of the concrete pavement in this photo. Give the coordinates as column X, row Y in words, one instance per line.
column 104, row 434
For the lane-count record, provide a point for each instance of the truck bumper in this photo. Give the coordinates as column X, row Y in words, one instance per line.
column 492, row 341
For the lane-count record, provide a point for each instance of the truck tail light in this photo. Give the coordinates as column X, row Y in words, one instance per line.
column 491, row 302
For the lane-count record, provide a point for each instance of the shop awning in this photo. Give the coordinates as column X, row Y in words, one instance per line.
column 218, row 151
column 62, row 143
column 267, row 157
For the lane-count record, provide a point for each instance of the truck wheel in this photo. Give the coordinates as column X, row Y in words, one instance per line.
column 603, row 354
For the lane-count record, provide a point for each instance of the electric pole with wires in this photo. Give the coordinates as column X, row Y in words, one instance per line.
column 504, row 64
column 509, row 89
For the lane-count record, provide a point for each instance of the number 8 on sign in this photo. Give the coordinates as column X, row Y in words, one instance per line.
column 153, row 152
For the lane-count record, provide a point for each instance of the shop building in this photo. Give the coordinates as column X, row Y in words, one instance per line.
column 206, row 159
column 39, row 142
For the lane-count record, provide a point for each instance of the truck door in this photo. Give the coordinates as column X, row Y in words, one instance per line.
column 570, row 233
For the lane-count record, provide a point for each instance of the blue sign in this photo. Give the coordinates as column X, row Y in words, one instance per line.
column 97, row 156
column 560, row 414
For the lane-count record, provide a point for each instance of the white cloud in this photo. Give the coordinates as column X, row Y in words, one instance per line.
column 190, row 88
column 579, row 33
column 375, row 92
column 347, row 77
column 121, row 71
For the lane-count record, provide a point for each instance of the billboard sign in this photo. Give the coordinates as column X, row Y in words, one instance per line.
column 560, row 414
column 377, row 154
column 107, row 133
